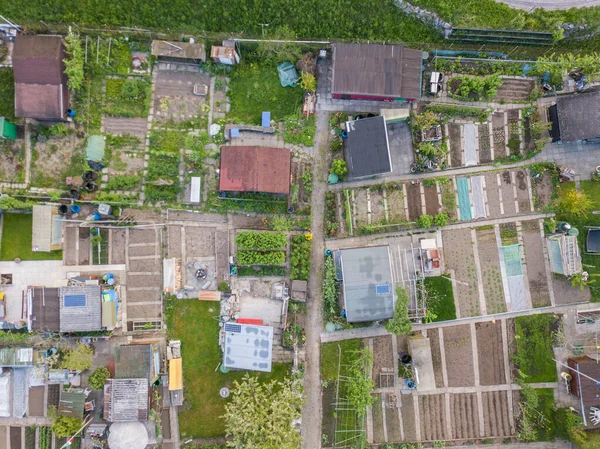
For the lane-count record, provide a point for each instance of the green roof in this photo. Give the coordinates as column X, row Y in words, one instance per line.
column 133, row 362
column 71, row 403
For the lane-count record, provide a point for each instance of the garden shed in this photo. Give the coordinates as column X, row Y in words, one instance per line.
column 40, row 82
column 248, row 347
column 134, row 361
column 182, row 52
column 255, row 169
column 126, row 400
column 367, row 283
column 43, row 306
column 576, row 117
column 225, row 54
column 376, row 72
column 367, row 149
column 72, row 403
column 564, row 254
column 46, row 232
column 80, row 308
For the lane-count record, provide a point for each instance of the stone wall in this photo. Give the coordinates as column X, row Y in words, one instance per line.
column 427, row 17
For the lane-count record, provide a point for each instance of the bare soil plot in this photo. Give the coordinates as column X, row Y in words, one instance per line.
column 12, row 160
column 15, row 437
column 84, row 246
column 492, row 191
column 142, row 280
column 240, row 221
column 495, row 414
column 3, row 432
column 458, row 252
column 432, row 203
column 174, row 99
column 459, row 356
column 499, row 134
column 408, row 417
column 302, row 195
column 433, row 417
column 174, row 239
column 71, row 234
column 523, row 191
column 465, row 418
column 392, row 418
column 55, row 159
column 328, row 407
column 491, row 353
column 543, row 190
column 142, row 236
column 360, row 206
column 415, row 209
column 455, row 145
column 165, row 421
column 485, row 149
column 514, row 90
column 145, row 266
column 150, row 250
column 487, row 248
column 536, row 266
column 377, row 206
column 395, row 204
column 564, row 293
column 117, row 246
column 378, row 435
column 36, row 401
column 508, row 194
column 125, row 125
column 383, row 357
column 436, row 355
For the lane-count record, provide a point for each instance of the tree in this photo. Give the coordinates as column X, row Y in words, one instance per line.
column 74, row 63
column 400, row 324
column 98, row 378
column 339, row 167
column 78, row 359
column 280, row 51
column 574, row 202
column 261, row 415
column 63, row 426
column 308, row 82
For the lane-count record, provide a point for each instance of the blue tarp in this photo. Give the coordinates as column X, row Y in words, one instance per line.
column 266, row 119
column 464, row 203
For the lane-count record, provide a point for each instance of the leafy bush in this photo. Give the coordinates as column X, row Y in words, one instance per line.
column 78, row 359
column 256, row 271
column 424, row 221
column 338, row 167
column 451, row 110
column 308, row 82
column 74, row 63
column 98, row 378
column 425, row 120
column 359, row 384
column 224, row 287
column 63, row 426
column 330, row 290
column 300, row 258
column 123, row 182
column 260, row 258
column 483, row 87
column 574, row 202
column 127, row 97
column 400, row 324
column 167, row 142
column 263, row 241
column 440, row 219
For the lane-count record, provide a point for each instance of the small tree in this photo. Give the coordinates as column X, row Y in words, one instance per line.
column 308, row 82
column 261, row 415
column 78, row 359
column 74, row 63
column 63, row 426
column 425, row 120
column 98, row 378
column 424, row 221
column 574, row 202
column 400, row 324
column 339, row 167
column 280, row 51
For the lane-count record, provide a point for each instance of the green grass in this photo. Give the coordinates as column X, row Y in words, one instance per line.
column 440, row 298
column 118, row 104
column 255, row 88
column 16, row 239
column 330, row 357
column 7, row 94
column 193, row 323
column 591, row 263
column 535, row 339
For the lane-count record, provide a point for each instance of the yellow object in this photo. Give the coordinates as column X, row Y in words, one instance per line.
column 175, row 375
column 1, row 296
column 308, row 236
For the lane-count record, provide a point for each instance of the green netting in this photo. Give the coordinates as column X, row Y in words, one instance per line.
column 512, row 260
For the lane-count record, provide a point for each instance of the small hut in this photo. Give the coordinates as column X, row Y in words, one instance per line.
column 225, row 54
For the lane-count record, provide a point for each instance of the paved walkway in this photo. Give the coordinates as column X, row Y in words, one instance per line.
column 550, row 4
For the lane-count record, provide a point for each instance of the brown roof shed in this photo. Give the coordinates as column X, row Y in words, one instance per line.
column 40, row 82
column 178, row 50
column 387, row 71
column 578, row 116
column 582, row 387
column 255, row 169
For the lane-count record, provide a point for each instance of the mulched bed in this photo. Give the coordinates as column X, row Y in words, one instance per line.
column 485, row 150
column 508, row 195
column 491, row 353
column 493, row 195
column 543, row 190
column 432, row 204
column 535, row 260
column 455, row 145
column 383, row 356
column 459, row 356
column 436, row 355
column 415, row 210
column 490, row 270
column 523, row 192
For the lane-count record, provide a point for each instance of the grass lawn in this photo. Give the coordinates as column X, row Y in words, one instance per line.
column 254, row 88
column 16, row 239
column 192, row 322
column 591, row 263
column 440, row 298
column 330, row 357
column 535, row 339
column 127, row 97
column 7, row 94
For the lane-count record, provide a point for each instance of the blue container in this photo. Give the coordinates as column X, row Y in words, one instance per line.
column 97, row 216
column 75, row 209
column 344, row 134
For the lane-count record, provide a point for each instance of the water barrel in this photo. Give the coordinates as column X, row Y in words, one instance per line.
column 63, row 209
column 97, row 216
column 344, row 134
column 406, row 359
column 333, row 178
column 329, row 327
column 223, row 369
column 573, row 231
column 75, row 209
column 328, row 252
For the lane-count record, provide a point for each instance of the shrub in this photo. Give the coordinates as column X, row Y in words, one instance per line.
column 574, row 202
column 308, row 82
column 98, row 378
column 424, row 221
column 130, row 89
column 300, row 258
column 78, row 359
column 260, row 258
column 339, row 167
column 123, row 182
column 264, row 241
column 440, row 219
column 400, row 324
column 451, row 110
column 224, row 287
column 425, row 120
column 330, row 290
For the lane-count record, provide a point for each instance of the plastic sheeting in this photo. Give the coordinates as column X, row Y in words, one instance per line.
column 478, row 197
column 464, row 201
column 470, row 144
column 512, row 260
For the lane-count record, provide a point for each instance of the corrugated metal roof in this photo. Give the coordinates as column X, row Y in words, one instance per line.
column 248, row 347
column 81, row 318
column 363, row 270
column 175, row 374
column 126, row 400
column 43, row 228
column 178, row 50
column 15, row 357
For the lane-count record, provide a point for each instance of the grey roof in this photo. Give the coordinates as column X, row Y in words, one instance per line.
column 80, row 316
column 248, row 347
column 578, row 116
column 365, row 271
column 126, row 400
column 45, row 309
column 133, row 361
column 15, row 357
column 366, row 148
column 387, row 71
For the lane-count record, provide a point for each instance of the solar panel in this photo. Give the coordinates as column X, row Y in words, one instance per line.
column 75, row 301
column 231, row 327
column 382, row 289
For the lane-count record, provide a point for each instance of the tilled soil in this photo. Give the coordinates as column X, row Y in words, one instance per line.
column 383, row 356
column 564, row 293
column 36, row 401
column 485, row 150
column 392, row 420
column 432, row 204
column 459, row 356
column 362, row 213
column 436, row 355
column 495, row 414
column 117, row 246
column 174, row 239
column 378, row 436
column 69, row 248
column 415, row 210
column 523, row 192
column 465, row 417
column 508, row 195
column 458, row 252
column 455, row 145
column 199, row 242
column 408, row 417
column 141, row 236
column 491, row 353
column 543, row 190
column 433, row 417
column 377, row 206
column 536, row 266
column 328, row 399
column 395, row 203
column 84, row 246
column 499, row 134
column 487, row 248
column 492, row 192
column 15, row 437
